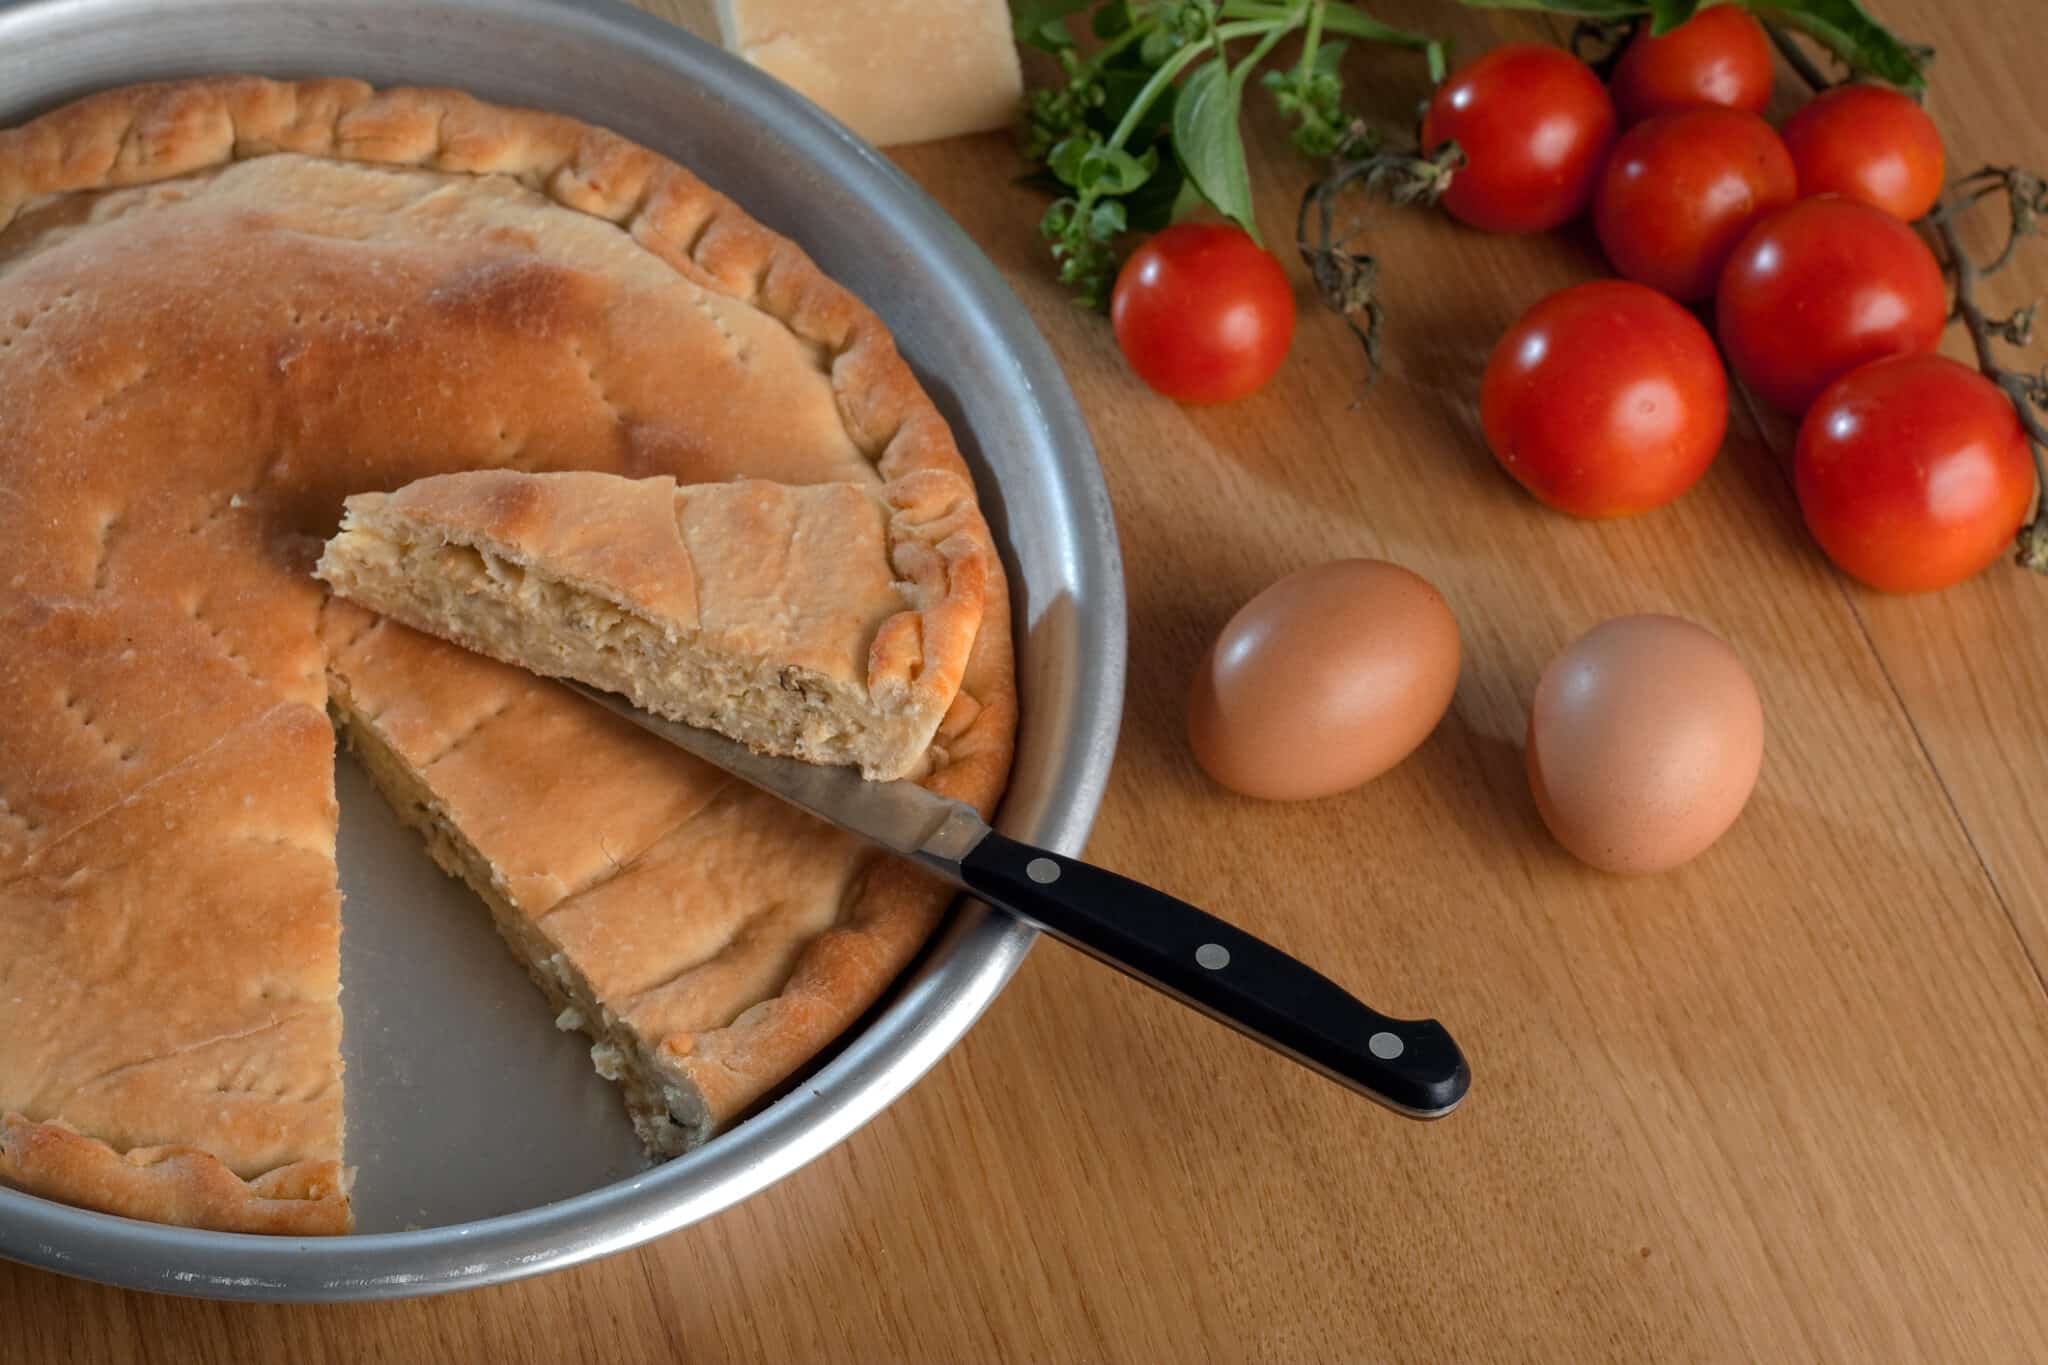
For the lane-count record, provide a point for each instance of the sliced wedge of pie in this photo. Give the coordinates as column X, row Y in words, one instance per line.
column 705, row 937
column 227, row 304
column 827, row 622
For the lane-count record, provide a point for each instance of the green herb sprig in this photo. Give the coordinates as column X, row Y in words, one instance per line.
column 1148, row 124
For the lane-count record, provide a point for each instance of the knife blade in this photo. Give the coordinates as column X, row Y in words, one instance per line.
column 1412, row 1066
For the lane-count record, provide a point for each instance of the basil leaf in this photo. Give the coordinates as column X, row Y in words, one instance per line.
column 1848, row 31
column 1111, row 170
column 1038, row 23
column 1106, row 220
column 1210, row 147
column 1065, row 159
column 1666, row 15
column 1087, row 165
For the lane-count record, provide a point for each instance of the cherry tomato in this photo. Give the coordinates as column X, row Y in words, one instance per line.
column 1820, row 287
column 1202, row 313
column 1720, row 56
column 1534, row 124
column 1681, row 189
column 1869, row 144
column 1605, row 399
column 1913, row 472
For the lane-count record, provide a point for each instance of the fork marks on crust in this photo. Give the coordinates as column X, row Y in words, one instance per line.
column 76, row 707
column 25, row 825
column 24, row 321
column 103, row 560
column 596, row 384
column 470, row 731
column 197, row 608
column 107, row 400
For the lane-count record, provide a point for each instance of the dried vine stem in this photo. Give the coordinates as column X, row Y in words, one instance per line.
column 1599, row 43
column 1796, row 58
column 2026, row 198
column 1346, row 279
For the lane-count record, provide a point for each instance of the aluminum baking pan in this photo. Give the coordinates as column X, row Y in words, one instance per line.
column 495, row 1152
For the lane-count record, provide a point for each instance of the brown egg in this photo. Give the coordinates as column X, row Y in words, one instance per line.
column 1644, row 743
column 1323, row 681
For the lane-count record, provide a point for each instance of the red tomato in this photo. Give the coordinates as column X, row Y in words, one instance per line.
column 1534, row 124
column 1202, row 313
column 1605, row 399
column 1681, row 189
column 1718, row 58
column 1869, row 144
column 1913, row 472
column 1817, row 289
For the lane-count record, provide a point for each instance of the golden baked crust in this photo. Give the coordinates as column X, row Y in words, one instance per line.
column 830, row 622
column 181, row 1009
column 224, row 305
column 182, row 1185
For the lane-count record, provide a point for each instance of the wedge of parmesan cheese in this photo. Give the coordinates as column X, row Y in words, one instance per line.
column 894, row 71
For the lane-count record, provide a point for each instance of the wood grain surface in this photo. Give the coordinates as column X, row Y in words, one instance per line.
column 1789, row 1102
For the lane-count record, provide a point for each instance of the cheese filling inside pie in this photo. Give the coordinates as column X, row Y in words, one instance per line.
column 225, row 306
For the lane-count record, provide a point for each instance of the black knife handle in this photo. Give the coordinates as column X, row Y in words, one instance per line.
column 1410, row 1065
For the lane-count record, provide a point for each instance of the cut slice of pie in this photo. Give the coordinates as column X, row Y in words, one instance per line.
column 828, row 622
column 707, row 937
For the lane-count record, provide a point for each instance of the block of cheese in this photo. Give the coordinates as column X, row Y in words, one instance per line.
column 894, row 71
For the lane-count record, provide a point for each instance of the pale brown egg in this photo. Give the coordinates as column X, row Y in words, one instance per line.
column 1644, row 743
column 1323, row 681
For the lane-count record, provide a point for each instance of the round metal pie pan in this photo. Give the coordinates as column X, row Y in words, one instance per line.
column 487, row 1148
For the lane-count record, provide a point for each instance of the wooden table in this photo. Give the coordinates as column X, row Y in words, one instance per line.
column 1790, row 1102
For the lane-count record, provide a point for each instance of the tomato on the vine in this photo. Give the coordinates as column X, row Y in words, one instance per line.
column 1913, row 472
column 1202, row 313
column 1681, row 189
column 1869, row 144
column 1820, row 287
column 1534, row 123
column 1605, row 399
column 1721, row 56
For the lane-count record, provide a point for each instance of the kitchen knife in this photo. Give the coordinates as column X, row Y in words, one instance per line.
column 1409, row 1065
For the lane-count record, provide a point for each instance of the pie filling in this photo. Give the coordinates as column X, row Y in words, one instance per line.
column 488, row 602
